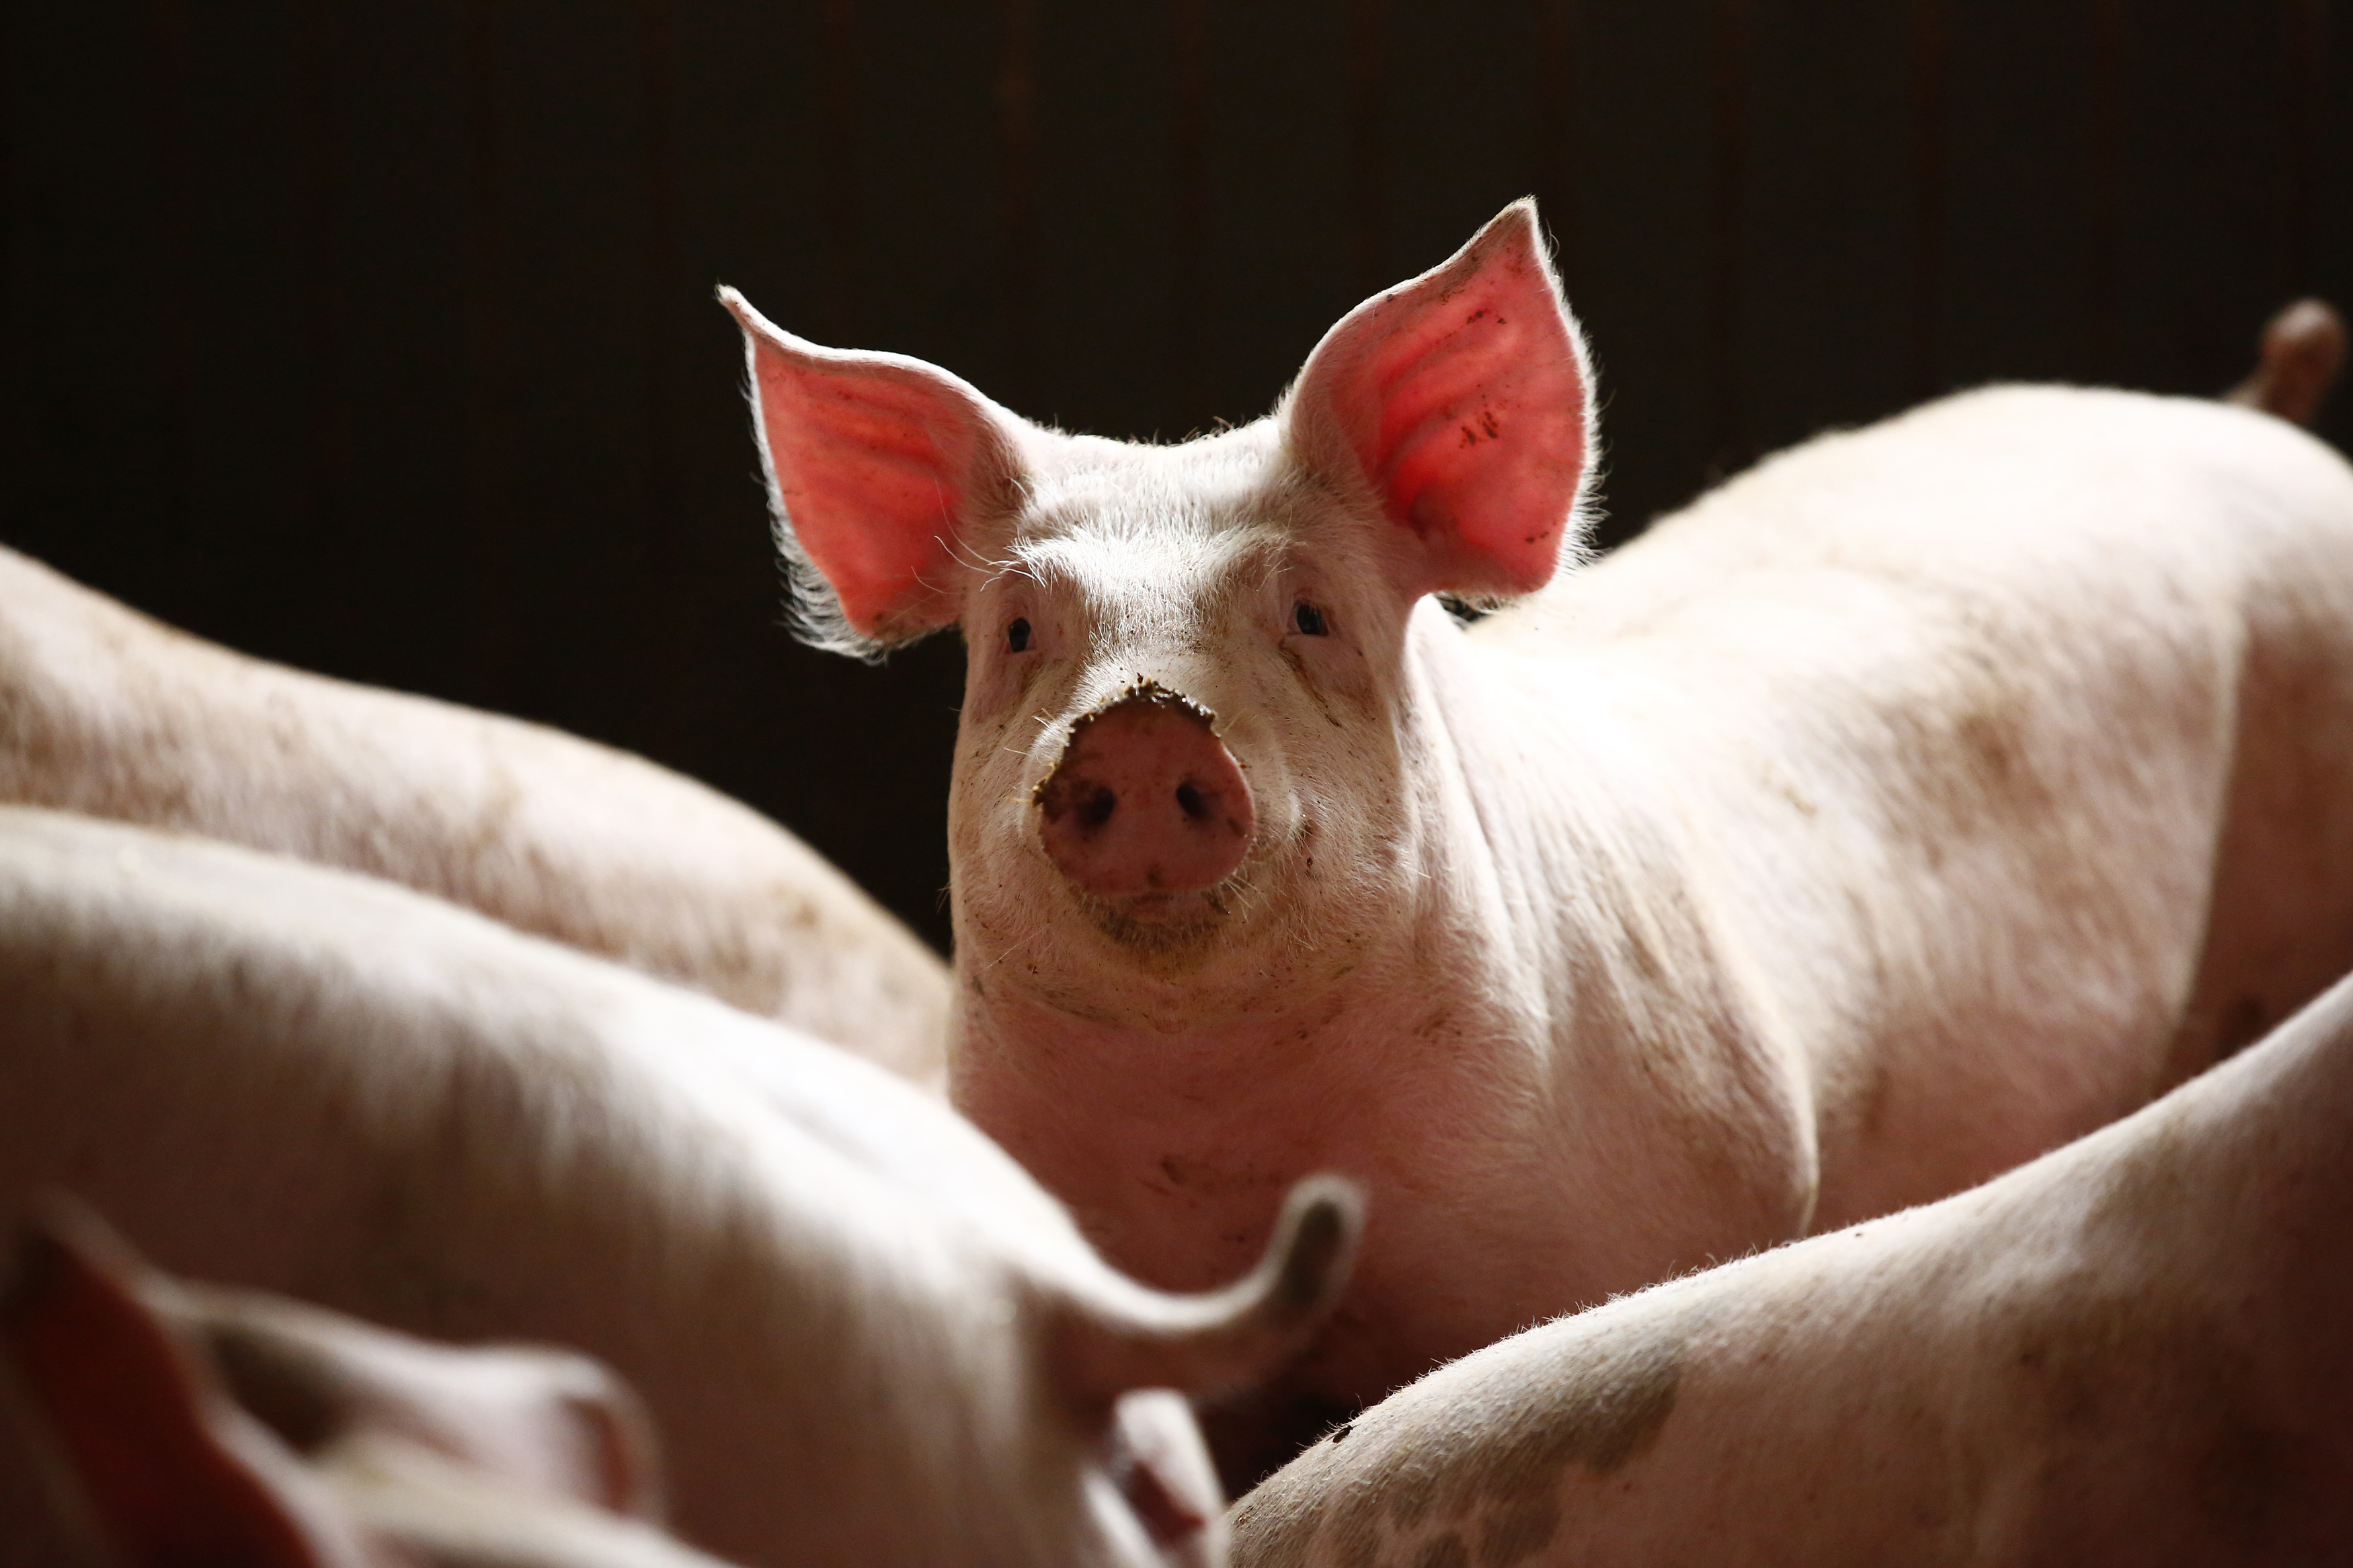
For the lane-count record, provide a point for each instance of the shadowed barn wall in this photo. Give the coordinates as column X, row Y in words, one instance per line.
column 376, row 335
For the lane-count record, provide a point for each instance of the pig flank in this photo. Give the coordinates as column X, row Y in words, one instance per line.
column 1923, row 799
column 2131, row 1350
column 866, row 1335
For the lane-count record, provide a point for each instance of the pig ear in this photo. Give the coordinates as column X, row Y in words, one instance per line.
column 176, row 1477
column 1213, row 1343
column 1462, row 402
column 878, row 467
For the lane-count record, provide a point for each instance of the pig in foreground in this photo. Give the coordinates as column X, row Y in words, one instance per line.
column 106, row 712
column 2131, row 1352
column 1914, row 804
column 198, row 1428
column 866, row 1335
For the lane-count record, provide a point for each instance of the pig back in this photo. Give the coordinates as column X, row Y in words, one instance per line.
column 324, row 1086
column 2009, row 735
column 106, row 712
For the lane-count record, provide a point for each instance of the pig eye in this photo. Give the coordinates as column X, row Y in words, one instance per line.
column 1307, row 619
column 1017, row 635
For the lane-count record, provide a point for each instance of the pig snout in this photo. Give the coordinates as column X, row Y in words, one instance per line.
column 1145, row 800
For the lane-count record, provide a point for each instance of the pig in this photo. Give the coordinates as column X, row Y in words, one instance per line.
column 2130, row 1351
column 107, row 713
column 200, row 1426
column 1920, row 800
column 867, row 1335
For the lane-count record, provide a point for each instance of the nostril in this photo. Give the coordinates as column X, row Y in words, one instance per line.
column 1190, row 801
column 1096, row 809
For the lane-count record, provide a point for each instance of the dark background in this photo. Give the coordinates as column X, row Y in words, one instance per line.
column 375, row 336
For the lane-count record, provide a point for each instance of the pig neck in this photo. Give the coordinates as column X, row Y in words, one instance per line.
column 1555, row 857
column 1543, row 917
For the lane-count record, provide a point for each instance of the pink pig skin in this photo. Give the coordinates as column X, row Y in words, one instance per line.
column 1914, row 804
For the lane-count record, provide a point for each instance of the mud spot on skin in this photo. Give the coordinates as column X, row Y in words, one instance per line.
column 1602, row 1419
column 1165, row 947
column 1599, row 1409
column 1357, row 1540
column 1645, row 960
column 1972, row 757
column 1446, row 1551
column 1518, row 1532
column 1309, row 684
column 1211, row 1178
column 2120, row 1367
column 1802, row 802
column 1278, row 1544
column 1990, row 736
column 1486, row 428
column 1874, row 1101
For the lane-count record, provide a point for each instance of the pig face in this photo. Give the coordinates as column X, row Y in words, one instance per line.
column 1191, row 733
column 1177, row 744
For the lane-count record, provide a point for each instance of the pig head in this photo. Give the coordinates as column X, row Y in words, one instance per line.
column 1181, row 791
column 1221, row 887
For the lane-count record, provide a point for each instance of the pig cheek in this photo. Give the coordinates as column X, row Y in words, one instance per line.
column 995, row 880
column 993, row 839
column 1347, row 851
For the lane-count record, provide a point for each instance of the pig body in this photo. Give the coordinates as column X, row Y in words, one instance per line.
column 867, row 1336
column 1922, row 800
column 105, row 712
column 2131, row 1350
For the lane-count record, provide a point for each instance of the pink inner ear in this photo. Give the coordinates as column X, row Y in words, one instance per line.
column 1461, row 398
column 879, row 462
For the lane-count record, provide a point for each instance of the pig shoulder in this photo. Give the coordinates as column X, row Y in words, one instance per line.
column 1992, row 723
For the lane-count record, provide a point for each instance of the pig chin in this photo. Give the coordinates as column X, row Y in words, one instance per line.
column 1165, row 930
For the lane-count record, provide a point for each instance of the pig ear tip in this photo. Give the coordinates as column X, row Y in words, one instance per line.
column 1519, row 223
column 731, row 299
column 747, row 316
